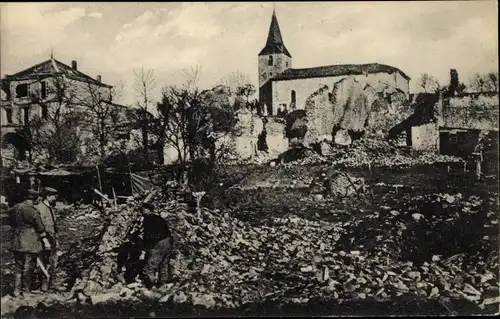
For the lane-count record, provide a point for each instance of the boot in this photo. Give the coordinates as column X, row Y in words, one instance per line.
column 45, row 285
column 27, row 279
column 18, row 285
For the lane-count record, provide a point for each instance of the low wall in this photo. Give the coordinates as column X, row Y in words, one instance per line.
column 425, row 137
column 473, row 111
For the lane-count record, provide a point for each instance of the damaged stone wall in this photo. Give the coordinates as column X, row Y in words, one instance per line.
column 353, row 105
column 248, row 129
column 353, row 100
column 386, row 112
column 276, row 139
column 320, row 114
column 473, row 111
column 425, row 137
column 282, row 89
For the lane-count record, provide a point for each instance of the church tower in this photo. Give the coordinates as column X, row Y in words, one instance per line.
column 274, row 57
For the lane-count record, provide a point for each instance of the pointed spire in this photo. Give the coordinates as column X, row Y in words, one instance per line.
column 274, row 35
column 274, row 43
column 52, row 53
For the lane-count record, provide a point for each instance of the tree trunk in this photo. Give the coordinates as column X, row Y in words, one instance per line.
column 145, row 144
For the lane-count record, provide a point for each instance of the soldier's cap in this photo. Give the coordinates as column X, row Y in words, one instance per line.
column 48, row 191
column 148, row 206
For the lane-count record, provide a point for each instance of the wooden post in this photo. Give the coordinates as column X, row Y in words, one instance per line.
column 114, row 198
column 478, row 169
column 465, row 166
column 479, row 159
column 100, row 184
column 99, row 178
column 130, row 176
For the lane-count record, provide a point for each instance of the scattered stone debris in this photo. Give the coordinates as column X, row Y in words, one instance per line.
column 223, row 261
column 372, row 152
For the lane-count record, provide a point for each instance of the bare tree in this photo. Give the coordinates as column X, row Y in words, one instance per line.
column 484, row 82
column 493, row 81
column 192, row 128
column 144, row 85
column 477, row 83
column 235, row 80
column 429, row 83
column 192, row 78
column 51, row 130
column 101, row 114
column 239, row 84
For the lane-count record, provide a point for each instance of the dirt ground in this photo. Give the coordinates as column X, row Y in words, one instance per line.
column 258, row 205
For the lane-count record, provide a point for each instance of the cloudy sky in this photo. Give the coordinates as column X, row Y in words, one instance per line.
column 114, row 39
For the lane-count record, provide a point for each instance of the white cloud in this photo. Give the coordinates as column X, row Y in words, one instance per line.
column 96, row 15
column 32, row 27
column 416, row 37
column 145, row 17
column 167, row 38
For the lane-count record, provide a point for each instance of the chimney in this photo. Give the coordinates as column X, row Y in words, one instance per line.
column 99, row 78
column 74, row 65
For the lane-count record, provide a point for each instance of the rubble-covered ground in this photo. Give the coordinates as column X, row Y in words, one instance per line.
column 429, row 246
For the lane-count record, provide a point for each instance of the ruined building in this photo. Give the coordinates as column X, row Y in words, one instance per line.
column 48, row 94
column 283, row 89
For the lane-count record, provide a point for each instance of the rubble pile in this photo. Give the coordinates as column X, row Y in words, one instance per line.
column 376, row 153
column 396, row 249
column 223, row 261
column 444, row 246
column 336, row 183
column 101, row 275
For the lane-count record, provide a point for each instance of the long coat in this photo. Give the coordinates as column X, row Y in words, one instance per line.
column 48, row 218
column 27, row 228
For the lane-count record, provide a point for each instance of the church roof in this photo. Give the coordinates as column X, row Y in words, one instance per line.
column 51, row 67
column 274, row 43
column 337, row 70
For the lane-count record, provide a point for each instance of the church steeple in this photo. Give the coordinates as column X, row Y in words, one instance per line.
column 273, row 59
column 274, row 43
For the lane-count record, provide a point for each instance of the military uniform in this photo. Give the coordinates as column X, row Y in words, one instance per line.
column 157, row 241
column 28, row 231
column 49, row 257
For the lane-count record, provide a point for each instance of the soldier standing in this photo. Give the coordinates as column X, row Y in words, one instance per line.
column 157, row 242
column 48, row 257
column 29, row 240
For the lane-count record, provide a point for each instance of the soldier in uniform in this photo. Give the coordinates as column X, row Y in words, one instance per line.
column 154, row 238
column 29, row 240
column 158, row 245
column 49, row 257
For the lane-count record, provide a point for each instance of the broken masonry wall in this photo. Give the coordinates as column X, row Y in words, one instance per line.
column 353, row 100
column 386, row 112
column 103, row 273
column 353, row 105
column 320, row 116
column 248, row 128
column 265, row 98
column 276, row 139
column 472, row 111
column 425, row 137
column 281, row 90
